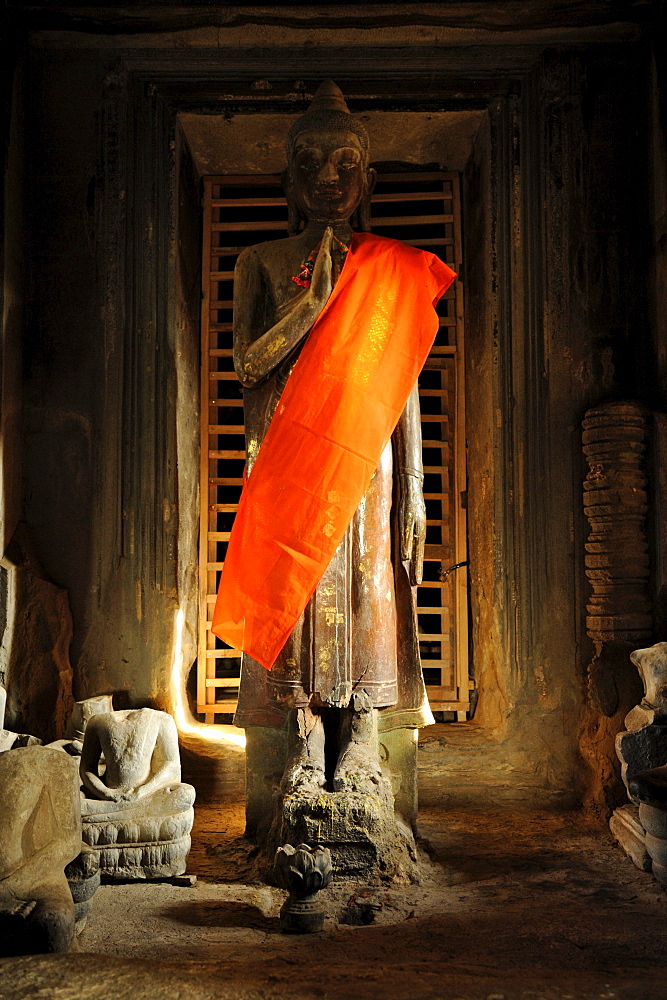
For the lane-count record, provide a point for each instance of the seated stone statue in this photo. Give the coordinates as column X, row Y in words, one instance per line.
column 82, row 712
column 40, row 833
column 136, row 812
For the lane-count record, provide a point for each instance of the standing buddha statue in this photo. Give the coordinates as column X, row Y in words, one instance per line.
column 331, row 328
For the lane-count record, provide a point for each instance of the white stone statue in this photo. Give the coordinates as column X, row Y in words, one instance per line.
column 40, row 833
column 136, row 811
column 82, row 713
column 140, row 748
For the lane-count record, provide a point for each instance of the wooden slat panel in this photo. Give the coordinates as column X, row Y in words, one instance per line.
column 244, row 180
column 250, row 227
column 406, row 196
column 267, row 202
column 417, row 220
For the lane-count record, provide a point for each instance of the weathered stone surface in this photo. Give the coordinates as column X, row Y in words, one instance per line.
column 654, row 821
column 540, row 899
column 266, row 754
column 138, row 822
column 630, row 834
column 358, row 827
column 40, row 833
column 37, row 661
column 84, row 877
column 8, row 739
column 652, row 666
column 398, row 756
column 617, row 561
column 82, row 712
column 145, row 839
column 12, row 741
column 642, row 751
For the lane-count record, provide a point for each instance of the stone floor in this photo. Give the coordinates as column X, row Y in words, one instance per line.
column 512, row 906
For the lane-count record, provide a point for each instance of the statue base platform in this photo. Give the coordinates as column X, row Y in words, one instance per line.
column 144, row 839
column 630, row 834
column 360, row 829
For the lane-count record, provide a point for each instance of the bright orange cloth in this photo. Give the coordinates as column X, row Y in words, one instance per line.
column 336, row 414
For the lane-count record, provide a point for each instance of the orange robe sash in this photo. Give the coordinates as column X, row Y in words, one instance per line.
column 337, row 412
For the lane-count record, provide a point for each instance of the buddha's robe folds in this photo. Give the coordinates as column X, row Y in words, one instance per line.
column 313, row 587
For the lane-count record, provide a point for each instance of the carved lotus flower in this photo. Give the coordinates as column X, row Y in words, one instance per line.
column 302, row 870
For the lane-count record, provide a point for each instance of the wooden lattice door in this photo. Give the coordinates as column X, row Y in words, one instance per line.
column 422, row 208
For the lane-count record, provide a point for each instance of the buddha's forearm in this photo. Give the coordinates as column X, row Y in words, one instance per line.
column 407, row 438
column 94, row 784
column 263, row 355
column 168, row 773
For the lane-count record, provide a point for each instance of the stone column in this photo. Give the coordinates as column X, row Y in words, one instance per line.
column 617, row 558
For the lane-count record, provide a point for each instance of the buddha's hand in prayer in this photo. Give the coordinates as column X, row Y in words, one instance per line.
column 412, row 525
column 321, row 282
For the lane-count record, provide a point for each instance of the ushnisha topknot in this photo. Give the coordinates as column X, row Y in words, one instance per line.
column 327, row 110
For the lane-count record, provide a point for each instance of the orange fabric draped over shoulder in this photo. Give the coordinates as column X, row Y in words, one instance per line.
column 337, row 412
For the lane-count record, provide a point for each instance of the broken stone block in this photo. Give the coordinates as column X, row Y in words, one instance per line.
column 642, row 750
column 38, row 668
column 8, row 739
column 82, row 712
column 358, row 828
column 654, row 821
column 631, row 835
column 40, row 833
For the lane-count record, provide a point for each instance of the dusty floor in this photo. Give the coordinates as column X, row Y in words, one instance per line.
column 512, row 907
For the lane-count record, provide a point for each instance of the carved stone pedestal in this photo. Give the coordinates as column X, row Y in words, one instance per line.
column 358, row 828
column 367, row 835
column 147, row 839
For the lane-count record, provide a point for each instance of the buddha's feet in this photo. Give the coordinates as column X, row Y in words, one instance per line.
column 358, row 768
column 304, row 771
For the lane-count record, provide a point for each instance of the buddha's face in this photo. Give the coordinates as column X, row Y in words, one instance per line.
column 328, row 174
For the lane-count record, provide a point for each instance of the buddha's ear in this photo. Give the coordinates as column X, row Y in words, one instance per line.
column 362, row 217
column 294, row 216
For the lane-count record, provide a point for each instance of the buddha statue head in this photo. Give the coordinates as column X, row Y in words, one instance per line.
column 328, row 179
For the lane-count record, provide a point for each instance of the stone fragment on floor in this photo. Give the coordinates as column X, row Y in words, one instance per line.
column 40, row 833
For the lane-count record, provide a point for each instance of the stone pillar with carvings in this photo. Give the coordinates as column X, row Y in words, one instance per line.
column 617, row 558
